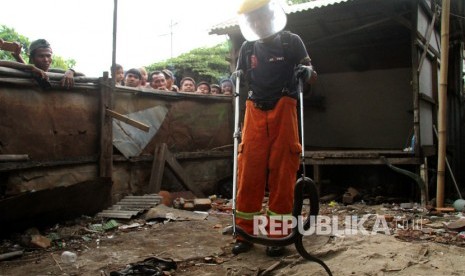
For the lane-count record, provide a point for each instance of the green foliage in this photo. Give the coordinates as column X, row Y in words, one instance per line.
column 9, row 34
column 202, row 64
column 59, row 62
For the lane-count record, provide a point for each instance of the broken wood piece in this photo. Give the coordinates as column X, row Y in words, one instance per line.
column 202, row 204
column 350, row 196
column 271, row 268
column 445, row 209
column 14, row 157
column 458, row 225
column 181, row 174
column 163, row 156
column 127, row 120
column 58, row 264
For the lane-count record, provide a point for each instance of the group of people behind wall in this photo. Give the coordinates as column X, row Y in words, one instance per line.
column 41, row 57
column 164, row 80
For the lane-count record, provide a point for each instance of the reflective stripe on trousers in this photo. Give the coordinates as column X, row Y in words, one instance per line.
column 268, row 154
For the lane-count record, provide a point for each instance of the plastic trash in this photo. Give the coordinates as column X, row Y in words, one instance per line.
column 68, row 257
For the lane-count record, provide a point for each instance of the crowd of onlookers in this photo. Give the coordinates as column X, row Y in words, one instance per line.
column 165, row 80
column 41, row 56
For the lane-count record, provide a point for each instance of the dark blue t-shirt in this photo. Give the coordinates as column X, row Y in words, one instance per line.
column 272, row 67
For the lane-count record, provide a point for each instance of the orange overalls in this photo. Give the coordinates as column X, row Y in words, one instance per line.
column 269, row 153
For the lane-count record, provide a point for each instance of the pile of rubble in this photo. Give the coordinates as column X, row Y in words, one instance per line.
column 406, row 221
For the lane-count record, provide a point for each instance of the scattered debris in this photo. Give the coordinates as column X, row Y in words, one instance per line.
column 40, row 241
column 350, row 196
column 406, row 221
column 167, row 213
column 152, row 266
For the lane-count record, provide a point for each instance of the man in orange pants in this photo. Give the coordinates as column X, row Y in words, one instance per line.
column 269, row 151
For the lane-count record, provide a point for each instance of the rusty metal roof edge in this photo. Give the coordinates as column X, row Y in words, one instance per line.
column 232, row 22
column 312, row 5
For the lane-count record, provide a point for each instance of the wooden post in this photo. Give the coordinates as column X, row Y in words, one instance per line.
column 106, row 129
column 161, row 157
column 442, row 112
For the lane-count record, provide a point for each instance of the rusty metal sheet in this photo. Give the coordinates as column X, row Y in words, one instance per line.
column 193, row 123
column 131, row 206
column 129, row 140
column 47, row 125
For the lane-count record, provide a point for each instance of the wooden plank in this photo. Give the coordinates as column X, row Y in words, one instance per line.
column 180, row 173
column 355, row 153
column 158, row 167
column 362, row 161
column 7, row 166
column 428, row 38
column 14, row 157
column 106, row 129
column 127, row 120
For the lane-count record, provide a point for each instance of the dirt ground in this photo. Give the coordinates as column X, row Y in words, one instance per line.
column 199, row 247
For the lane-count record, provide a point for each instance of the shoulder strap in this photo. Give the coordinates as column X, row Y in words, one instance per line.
column 285, row 42
column 247, row 47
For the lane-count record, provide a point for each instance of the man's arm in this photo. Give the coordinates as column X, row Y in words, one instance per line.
column 304, row 70
column 68, row 76
column 25, row 67
column 14, row 48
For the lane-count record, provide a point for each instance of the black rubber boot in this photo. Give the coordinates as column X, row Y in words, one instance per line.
column 241, row 247
column 274, row 251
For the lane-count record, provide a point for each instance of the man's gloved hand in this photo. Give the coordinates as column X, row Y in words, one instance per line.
column 304, row 72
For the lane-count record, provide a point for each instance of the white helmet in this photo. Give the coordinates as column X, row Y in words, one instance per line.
column 259, row 19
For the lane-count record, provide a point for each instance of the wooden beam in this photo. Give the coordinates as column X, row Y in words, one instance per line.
column 106, row 129
column 158, row 167
column 14, row 157
column 180, row 173
column 362, row 161
column 127, row 120
column 162, row 156
column 429, row 32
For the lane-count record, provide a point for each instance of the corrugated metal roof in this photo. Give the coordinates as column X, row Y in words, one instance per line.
column 232, row 22
column 131, row 206
column 312, row 5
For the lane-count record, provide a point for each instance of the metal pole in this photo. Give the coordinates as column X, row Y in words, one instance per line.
column 301, row 100
column 236, row 145
column 113, row 56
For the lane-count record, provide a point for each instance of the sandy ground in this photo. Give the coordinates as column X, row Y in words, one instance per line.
column 199, row 248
